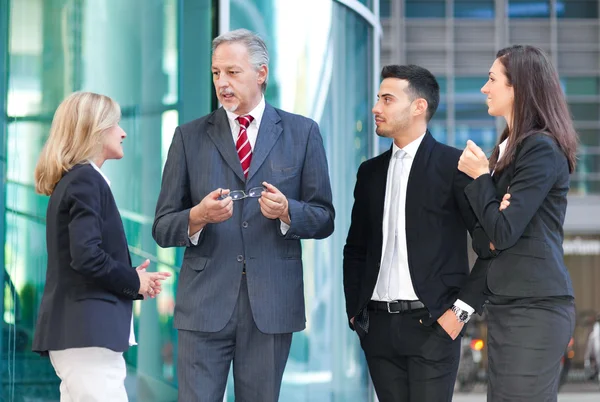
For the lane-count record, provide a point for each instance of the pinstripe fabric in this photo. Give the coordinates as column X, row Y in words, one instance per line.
column 204, row 359
column 289, row 154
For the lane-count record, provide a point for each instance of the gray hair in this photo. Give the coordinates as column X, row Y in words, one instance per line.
column 257, row 50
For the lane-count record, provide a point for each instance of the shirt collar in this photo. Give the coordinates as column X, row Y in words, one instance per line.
column 502, row 147
column 257, row 113
column 100, row 171
column 410, row 149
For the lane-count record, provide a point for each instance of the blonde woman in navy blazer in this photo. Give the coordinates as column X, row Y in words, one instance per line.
column 85, row 318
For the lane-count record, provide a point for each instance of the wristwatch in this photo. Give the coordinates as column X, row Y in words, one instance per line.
column 461, row 315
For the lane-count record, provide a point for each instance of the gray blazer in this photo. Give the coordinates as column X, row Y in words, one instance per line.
column 289, row 154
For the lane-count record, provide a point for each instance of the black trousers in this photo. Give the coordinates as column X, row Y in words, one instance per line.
column 408, row 361
column 527, row 337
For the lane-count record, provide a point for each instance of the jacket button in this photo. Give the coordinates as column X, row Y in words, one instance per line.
column 240, row 258
column 244, row 225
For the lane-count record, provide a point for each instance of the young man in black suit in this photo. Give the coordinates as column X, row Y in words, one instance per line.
column 405, row 259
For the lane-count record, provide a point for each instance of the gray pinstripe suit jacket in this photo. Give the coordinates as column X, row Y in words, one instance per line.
column 289, row 154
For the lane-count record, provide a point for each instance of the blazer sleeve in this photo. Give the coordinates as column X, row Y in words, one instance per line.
column 534, row 175
column 480, row 241
column 84, row 201
column 473, row 291
column 312, row 216
column 355, row 250
column 171, row 221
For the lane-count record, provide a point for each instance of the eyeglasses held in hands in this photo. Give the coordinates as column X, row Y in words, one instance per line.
column 241, row 194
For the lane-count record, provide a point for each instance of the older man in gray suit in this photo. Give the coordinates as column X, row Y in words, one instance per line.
column 241, row 187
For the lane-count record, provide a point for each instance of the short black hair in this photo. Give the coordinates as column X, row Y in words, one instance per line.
column 421, row 84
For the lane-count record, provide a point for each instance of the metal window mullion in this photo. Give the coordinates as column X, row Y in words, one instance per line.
column 501, row 23
column 400, row 16
column 376, row 36
column 553, row 33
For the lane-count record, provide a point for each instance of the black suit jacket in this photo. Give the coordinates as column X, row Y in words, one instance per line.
column 90, row 282
column 529, row 233
column 438, row 216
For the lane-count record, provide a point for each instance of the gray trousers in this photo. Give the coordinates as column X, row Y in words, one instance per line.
column 527, row 338
column 204, row 359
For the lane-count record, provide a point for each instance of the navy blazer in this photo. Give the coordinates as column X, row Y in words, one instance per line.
column 289, row 154
column 529, row 233
column 90, row 282
column 438, row 217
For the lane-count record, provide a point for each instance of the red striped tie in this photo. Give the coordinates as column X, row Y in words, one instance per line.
column 242, row 145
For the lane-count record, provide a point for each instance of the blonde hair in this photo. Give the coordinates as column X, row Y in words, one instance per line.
column 75, row 136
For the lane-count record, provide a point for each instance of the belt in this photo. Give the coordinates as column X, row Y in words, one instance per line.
column 396, row 306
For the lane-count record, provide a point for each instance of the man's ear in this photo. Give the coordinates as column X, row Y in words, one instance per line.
column 420, row 107
column 263, row 73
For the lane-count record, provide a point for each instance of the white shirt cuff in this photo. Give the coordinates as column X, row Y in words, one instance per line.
column 195, row 237
column 284, row 227
column 464, row 306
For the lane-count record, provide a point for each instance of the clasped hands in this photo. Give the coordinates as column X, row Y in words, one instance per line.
column 215, row 208
column 150, row 282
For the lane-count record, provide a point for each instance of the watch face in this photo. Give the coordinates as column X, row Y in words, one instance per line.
column 464, row 315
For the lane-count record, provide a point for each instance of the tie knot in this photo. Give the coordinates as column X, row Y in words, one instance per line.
column 245, row 120
column 400, row 154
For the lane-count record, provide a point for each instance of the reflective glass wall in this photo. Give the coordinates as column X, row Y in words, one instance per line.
column 153, row 57
column 132, row 51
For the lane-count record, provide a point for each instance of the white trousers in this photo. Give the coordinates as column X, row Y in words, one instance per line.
column 90, row 374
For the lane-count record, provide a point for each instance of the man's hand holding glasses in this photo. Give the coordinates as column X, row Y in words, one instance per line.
column 214, row 208
column 217, row 206
column 273, row 204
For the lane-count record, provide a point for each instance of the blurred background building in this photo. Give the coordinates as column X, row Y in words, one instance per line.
column 153, row 57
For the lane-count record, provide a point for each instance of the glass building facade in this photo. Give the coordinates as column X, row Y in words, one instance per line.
column 153, row 57
column 458, row 39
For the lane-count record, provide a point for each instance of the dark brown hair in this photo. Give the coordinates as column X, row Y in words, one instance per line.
column 539, row 104
column 421, row 84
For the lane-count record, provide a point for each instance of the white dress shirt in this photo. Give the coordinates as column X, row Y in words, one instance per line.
column 252, row 130
column 252, row 133
column 403, row 290
column 502, row 149
column 131, row 333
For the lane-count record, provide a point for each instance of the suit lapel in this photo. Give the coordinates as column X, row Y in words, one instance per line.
column 268, row 133
column 219, row 132
column 416, row 180
column 378, row 187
